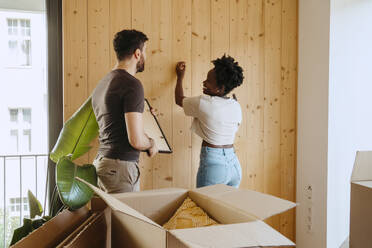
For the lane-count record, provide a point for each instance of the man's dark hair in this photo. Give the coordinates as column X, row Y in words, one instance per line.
column 126, row 42
column 228, row 73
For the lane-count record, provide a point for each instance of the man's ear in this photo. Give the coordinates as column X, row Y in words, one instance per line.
column 137, row 53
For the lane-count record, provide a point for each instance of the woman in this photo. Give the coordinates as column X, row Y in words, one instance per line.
column 216, row 120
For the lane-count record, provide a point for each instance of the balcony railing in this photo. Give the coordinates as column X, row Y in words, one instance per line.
column 19, row 174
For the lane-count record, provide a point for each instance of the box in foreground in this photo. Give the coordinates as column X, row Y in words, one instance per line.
column 137, row 218
column 78, row 229
column 361, row 201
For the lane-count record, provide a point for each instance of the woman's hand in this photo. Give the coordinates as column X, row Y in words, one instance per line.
column 178, row 93
column 180, row 69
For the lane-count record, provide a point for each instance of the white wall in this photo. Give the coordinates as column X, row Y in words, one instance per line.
column 350, row 106
column 313, row 77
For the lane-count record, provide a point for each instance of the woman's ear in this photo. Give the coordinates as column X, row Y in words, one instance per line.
column 221, row 90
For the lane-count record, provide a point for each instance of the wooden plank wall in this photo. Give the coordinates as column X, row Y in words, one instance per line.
column 260, row 34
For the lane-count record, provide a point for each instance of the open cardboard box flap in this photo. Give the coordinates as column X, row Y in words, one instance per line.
column 362, row 170
column 117, row 205
column 55, row 230
column 260, row 206
column 250, row 234
column 247, row 234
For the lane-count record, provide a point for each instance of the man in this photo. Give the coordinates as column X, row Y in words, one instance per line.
column 118, row 104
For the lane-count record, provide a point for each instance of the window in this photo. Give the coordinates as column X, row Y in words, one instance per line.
column 13, row 115
column 26, row 140
column 26, row 115
column 14, row 140
column 20, row 130
column 19, row 42
column 15, row 205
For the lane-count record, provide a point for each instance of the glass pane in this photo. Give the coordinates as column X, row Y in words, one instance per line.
column 13, row 115
column 12, row 44
column 26, row 115
column 13, row 144
column 26, row 53
column 25, row 27
column 12, row 52
column 12, row 183
column 15, row 26
column 26, row 140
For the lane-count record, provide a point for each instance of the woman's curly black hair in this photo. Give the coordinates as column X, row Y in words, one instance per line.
column 228, row 73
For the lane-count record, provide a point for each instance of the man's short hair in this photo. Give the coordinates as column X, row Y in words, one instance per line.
column 126, row 42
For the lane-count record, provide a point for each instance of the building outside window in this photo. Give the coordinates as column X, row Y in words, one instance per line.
column 14, row 206
column 19, row 42
column 23, row 111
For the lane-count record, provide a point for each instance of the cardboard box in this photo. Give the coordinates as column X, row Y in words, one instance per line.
column 361, row 201
column 91, row 233
column 77, row 229
column 95, row 231
column 137, row 218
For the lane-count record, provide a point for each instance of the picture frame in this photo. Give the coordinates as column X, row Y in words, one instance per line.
column 153, row 129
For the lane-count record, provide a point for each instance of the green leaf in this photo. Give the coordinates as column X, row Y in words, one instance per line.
column 74, row 193
column 47, row 218
column 22, row 231
column 77, row 133
column 28, row 226
column 35, row 206
column 38, row 223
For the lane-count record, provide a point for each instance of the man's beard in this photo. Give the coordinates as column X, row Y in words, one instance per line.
column 141, row 64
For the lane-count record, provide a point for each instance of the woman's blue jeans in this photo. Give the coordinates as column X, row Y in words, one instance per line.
column 218, row 166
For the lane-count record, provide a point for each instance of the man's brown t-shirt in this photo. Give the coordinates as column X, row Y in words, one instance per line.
column 116, row 94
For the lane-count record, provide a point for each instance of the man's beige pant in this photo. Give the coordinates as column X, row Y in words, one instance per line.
column 117, row 176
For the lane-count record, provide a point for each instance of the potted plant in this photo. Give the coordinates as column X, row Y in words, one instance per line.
column 73, row 142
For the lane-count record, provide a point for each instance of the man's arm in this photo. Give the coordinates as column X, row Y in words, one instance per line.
column 136, row 134
column 178, row 93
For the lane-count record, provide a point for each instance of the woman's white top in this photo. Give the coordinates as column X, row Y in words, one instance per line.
column 216, row 119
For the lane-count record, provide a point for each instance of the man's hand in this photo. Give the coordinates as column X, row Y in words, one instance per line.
column 154, row 112
column 180, row 69
column 153, row 150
